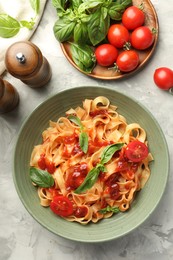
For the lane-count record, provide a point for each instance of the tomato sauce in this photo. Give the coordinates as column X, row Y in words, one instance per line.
column 80, row 212
column 98, row 112
column 76, row 176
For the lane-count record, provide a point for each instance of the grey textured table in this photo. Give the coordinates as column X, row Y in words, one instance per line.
column 21, row 237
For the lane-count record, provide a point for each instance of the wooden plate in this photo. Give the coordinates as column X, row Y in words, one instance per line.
column 100, row 72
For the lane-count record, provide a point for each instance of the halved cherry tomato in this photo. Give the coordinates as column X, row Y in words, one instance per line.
column 136, row 151
column 106, row 54
column 118, row 35
column 142, row 38
column 127, row 60
column 61, row 206
column 163, row 78
column 133, row 17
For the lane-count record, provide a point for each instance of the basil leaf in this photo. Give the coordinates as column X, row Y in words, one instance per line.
column 75, row 120
column 41, row 178
column 81, row 33
column 27, row 24
column 9, row 26
column 109, row 209
column 83, row 56
column 83, row 141
column 63, row 29
column 60, row 6
column 109, row 151
column 89, row 181
column 76, row 3
column 117, row 9
column 35, row 5
column 98, row 25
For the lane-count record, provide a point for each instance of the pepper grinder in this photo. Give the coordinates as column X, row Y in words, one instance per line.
column 9, row 97
column 25, row 61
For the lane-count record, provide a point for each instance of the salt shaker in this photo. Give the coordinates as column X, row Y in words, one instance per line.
column 25, row 61
column 9, row 97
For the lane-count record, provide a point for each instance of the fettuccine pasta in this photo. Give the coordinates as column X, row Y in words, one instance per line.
column 88, row 185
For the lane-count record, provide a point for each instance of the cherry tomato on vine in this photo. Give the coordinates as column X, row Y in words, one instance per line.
column 163, row 78
column 61, row 206
column 127, row 60
column 136, row 151
column 142, row 38
column 118, row 35
column 133, row 17
column 106, row 54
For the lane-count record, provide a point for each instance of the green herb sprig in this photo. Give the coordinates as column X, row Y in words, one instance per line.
column 10, row 26
column 109, row 209
column 92, row 176
column 83, row 137
column 41, row 178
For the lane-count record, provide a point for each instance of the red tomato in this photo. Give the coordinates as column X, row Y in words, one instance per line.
column 61, row 206
column 118, row 35
column 163, row 78
column 127, row 60
column 106, row 54
column 133, row 17
column 142, row 38
column 50, row 166
column 136, row 151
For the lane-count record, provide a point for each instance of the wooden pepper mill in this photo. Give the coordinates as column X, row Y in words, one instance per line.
column 9, row 97
column 25, row 61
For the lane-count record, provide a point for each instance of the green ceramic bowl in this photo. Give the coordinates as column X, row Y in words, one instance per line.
column 146, row 200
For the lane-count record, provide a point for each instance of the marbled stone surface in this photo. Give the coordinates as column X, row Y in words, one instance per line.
column 21, row 237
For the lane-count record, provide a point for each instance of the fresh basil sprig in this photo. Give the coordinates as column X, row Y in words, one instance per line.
column 41, row 178
column 9, row 26
column 109, row 209
column 90, row 179
column 83, row 137
column 92, row 176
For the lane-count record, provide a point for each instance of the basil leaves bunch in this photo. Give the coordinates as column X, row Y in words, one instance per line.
column 83, row 137
column 92, row 176
column 86, row 23
column 9, row 26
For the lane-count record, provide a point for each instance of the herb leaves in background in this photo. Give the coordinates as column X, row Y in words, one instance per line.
column 109, row 209
column 10, row 26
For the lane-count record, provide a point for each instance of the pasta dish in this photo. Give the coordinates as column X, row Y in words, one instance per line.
column 90, row 163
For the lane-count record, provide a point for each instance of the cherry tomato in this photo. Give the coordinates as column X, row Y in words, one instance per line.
column 106, row 54
column 133, row 17
column 61, row 206
column 42, row 162
column 136, row 151
column 127, row 60
column 142, row 38
column 118, row 35
column 163, row 78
